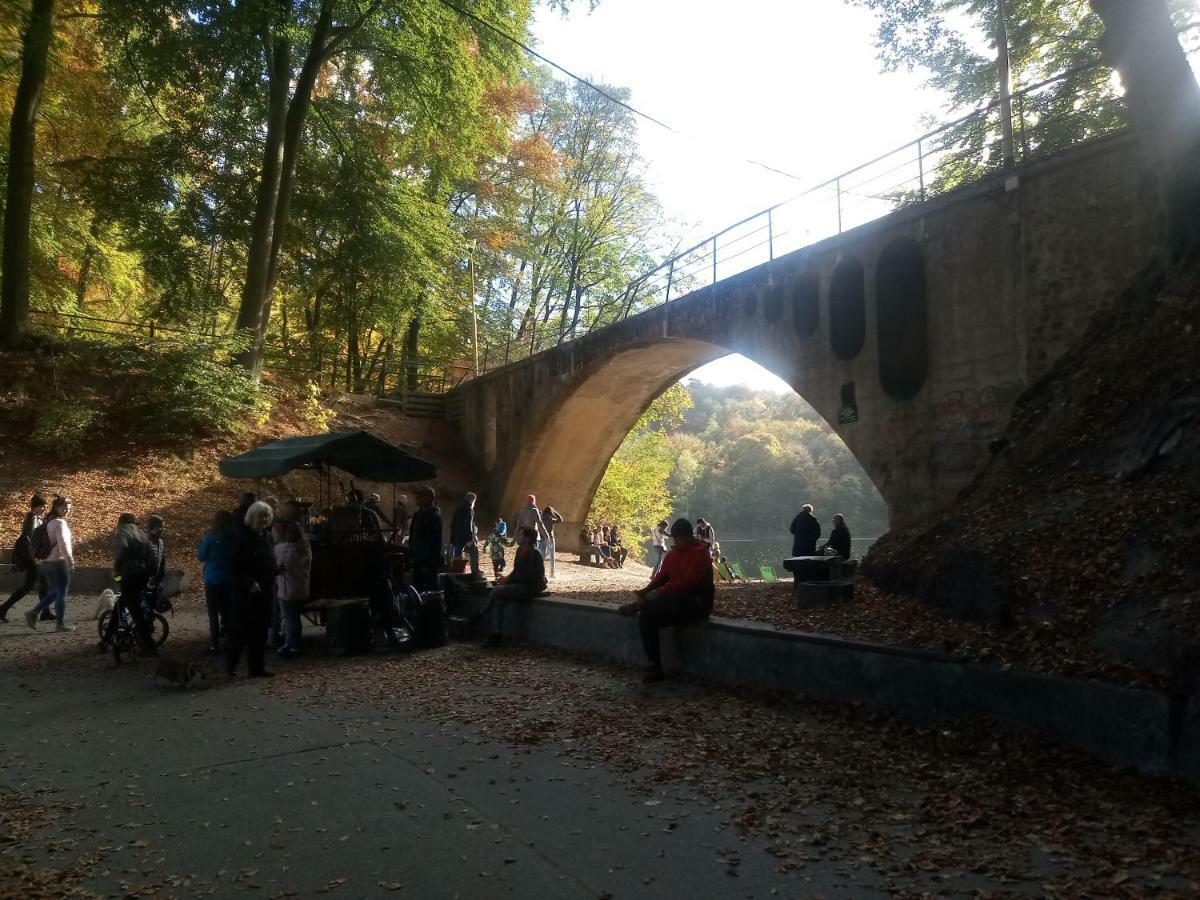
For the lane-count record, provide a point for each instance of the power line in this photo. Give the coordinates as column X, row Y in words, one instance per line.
column 599, row 90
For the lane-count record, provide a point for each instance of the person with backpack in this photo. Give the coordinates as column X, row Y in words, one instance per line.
column 51, row 543
column 22, row 554
column 133, row 561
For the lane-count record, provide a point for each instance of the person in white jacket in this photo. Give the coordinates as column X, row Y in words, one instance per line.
column 57, row 567
column 294, row 557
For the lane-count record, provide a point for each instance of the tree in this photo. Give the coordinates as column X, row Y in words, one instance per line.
column 258, row 68
column 14, row 280
column 633, row 492
column 1164, row 102
column 973, row 50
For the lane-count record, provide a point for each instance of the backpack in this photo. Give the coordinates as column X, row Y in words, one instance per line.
column 40, row 544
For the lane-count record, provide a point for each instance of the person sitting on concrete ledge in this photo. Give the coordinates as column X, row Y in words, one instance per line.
column 681, row 593
column 526, row 581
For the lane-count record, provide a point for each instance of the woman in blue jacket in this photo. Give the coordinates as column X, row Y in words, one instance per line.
column 216, row 552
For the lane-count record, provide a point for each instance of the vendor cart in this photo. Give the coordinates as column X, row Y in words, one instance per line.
column 352, row 565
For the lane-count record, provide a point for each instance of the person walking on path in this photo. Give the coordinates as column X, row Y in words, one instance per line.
column 806, row 531
column 464, row 535
column 22, row 555
column 133, row 559
column 425, row 540
column 705, row 533
column 839, row 539
column 550, row 518
column 58, row 565
column 294, row 559
column 526, row 581
column 216, row 552
column 531, row 517
column 254, row 570
column 681, row 593
column 659, row 536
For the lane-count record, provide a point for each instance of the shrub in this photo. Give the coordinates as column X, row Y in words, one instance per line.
column 62, row 426
column 187, row 389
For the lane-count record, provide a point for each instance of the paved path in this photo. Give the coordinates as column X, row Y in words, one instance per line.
column 230, row 789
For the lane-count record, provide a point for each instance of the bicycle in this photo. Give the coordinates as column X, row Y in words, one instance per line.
column 160, row 629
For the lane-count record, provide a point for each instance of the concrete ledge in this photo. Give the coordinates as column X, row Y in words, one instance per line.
column 1123, row 726
column 84, row 580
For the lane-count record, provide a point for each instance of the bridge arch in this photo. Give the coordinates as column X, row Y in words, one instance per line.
column 563, row 457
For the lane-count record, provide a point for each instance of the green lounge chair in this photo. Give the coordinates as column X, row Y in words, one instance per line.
column 768, row 574
column 736, row 569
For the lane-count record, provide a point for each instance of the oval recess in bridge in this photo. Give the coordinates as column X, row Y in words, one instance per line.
column 847, row 308
column 749, row 301
column 773, row 305
column 806, row 303
column 902, row 318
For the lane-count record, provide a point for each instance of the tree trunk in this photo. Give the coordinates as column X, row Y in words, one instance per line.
column 14, row 288
column 411, row 343
column 262, row 228
column 1164, row 104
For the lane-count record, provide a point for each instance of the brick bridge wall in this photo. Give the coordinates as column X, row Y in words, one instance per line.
column 1014, row 269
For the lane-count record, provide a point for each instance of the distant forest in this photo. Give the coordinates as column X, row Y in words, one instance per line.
column 744, row 459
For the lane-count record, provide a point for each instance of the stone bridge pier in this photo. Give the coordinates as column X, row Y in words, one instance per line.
column 912, row 336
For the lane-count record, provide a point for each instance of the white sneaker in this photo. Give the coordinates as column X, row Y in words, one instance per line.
column 31, row 618
column 61, row 627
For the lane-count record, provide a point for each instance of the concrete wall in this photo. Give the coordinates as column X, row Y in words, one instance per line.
column 1123, row 726
column 1015, row 266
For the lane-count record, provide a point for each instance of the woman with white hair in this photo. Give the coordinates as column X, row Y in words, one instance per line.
column 254, row 570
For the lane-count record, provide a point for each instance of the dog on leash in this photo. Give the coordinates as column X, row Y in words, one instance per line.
column 106, row 603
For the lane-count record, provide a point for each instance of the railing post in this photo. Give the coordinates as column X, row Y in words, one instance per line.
column 714, row 254
column 921, row 165
column 770, row 235
column 839, row 203
column 670, row 277
column 1021, row 122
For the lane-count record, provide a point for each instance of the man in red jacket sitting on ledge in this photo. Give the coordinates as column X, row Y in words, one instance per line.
column 682, row 592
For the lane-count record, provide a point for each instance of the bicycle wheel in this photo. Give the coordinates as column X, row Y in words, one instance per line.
column 102, row 624
column 159, row 629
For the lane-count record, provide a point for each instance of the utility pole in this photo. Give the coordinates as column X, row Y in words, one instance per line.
column 1004, row 69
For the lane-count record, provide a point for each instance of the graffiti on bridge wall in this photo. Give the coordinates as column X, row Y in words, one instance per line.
column 974, row 414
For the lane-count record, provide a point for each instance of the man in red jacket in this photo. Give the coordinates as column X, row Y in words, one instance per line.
column 680, row 593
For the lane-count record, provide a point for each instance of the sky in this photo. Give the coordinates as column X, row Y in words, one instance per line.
column 796, row 86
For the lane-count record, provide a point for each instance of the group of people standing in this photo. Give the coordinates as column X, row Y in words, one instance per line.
column 257, row 573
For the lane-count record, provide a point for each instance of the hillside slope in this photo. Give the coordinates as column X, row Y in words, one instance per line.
column 121, row 471
column 1081, row 535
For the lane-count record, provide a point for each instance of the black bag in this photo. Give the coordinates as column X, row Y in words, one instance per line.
column 431, row 622
column 40, row 544
column 348, row 629
column 22, row 558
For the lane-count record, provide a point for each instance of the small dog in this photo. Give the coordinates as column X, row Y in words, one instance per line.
column 179, row 673
column 106, row 603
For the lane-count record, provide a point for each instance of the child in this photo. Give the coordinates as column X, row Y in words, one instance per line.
column 158, row 564
column 494, row 547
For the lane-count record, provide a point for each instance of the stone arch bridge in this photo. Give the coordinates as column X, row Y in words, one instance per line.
column 912, row 336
